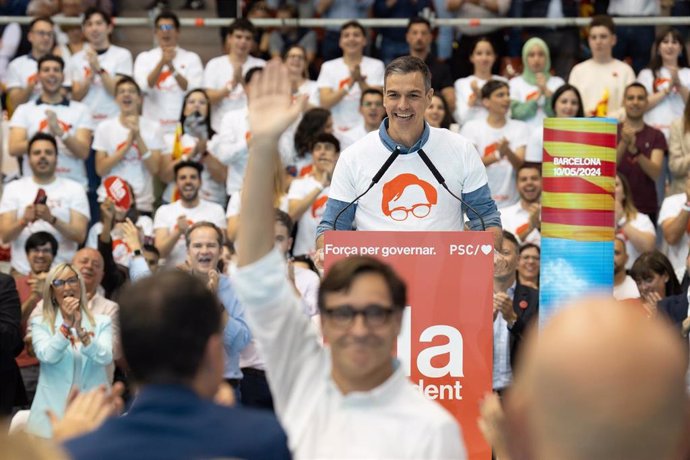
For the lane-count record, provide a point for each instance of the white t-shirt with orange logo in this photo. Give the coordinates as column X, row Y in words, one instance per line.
column 110, row 135
column 335, row 74
column 515, row 219
column 413, row 198
column 306, row 227
column 114, row 61
column 121, row 252
column 465, row 107
column 210, row 189
column 163, row 102
column 32, row 117
column 522, row 91
column 218, row 75
column 166, row 217
column 501, row 174
column 670, row 107
column 63, row 195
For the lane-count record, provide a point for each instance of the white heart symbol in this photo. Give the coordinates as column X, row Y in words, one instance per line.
column 486, row 248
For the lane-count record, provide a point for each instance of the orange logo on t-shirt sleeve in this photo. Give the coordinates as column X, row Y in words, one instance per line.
column 317, row 207
column 401, row 197
column 33, row 78
column 661, row 83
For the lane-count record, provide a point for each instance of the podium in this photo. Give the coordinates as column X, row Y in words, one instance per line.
column 446, row 341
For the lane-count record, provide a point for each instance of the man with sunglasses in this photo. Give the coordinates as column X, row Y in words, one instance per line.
column 350, row 399
column 166, row 73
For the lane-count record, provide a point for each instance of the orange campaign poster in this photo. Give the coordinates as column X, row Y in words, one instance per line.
column 446, row 342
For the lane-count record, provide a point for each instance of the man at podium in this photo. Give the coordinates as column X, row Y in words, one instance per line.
column 394, row 178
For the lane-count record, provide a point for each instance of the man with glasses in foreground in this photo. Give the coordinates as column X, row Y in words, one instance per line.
column 350, row 399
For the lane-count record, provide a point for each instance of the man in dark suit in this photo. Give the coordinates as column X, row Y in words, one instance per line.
column 515, row 307
column 171, row 328
column 11, row 385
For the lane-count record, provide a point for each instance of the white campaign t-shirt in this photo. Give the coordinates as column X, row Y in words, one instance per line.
column 110, row 135
column 602, row 86
column 522, row 91
column 534, row 152
column 671, row 106
column 71, row 115
column 465, row 112
column 121, row 252
column 210, row 189
column 408, row 197
column 514, row 219
column 218, row 75
column 335, row 74
column 641, row 223
column 166, row 217
column 306, row 226
column 63, row 195
column 232, row 149
column 677, row 253
column 501, row 174
column 235, row 204
column 114, row 61
column 626, row 290
column 163, row 102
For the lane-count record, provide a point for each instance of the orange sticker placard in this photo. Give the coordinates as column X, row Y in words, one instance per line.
column 445, row 345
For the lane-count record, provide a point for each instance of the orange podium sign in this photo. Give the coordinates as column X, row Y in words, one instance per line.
column 446, row 341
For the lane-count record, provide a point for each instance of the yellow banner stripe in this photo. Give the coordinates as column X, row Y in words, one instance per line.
column 583, row 201
column 582, row 125
column 576, row 232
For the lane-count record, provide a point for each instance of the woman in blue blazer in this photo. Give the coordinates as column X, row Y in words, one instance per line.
column 74, row 346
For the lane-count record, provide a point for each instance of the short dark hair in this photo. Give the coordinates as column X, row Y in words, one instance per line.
column 127, row 80
column 408, row 64
column 326, row 138
column 250, row 73
column 418, row 20
column 510, row 237
column 41, row 136
column 50, row 58
column 635, row 84
column 95, row 10
column 188, row 164
column 41, row 19
column 527, row 246
column 39, row 239
column 242, row 24
column 491, row 86
column 285, row 220
column 159, row 342
column 354, row 24
column 203, row 224
column 167, row 14
column 603, row 20
column 151, row 248
column 368, row 91
column 528, row 165
column 343, row 273
column 313, row 121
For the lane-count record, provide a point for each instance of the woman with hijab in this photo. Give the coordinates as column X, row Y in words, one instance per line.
column 531, row 92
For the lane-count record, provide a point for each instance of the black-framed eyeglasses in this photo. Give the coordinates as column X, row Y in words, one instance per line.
column 344, row 316
column 73, row 281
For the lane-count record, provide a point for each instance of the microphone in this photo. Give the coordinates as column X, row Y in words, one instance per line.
column 377, row 177
column 427, row 161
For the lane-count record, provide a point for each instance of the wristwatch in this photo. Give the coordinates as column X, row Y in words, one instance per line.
column 137, row 252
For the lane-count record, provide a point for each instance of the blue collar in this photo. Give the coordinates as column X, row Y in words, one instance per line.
column 64, row 102
column 390, row 144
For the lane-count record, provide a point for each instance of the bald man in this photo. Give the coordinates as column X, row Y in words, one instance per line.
column 89, row 263
column 601, row 382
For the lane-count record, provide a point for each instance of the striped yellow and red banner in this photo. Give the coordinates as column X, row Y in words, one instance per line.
column 578, row 170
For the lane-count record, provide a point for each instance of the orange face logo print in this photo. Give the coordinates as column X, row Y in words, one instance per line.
column 407, row 195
